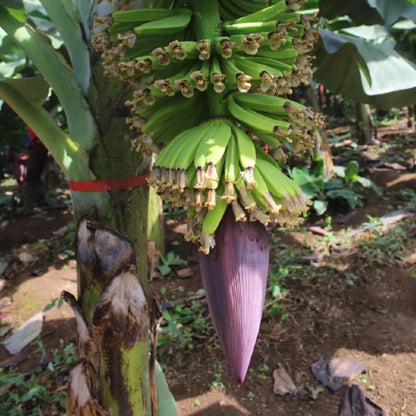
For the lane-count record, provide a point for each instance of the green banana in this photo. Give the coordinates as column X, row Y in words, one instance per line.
column 255, row 68
column 235, row 76
column 185, row 83
column 277, row 182
column 238, row 211
column 250, row 44
column 225, row 13
column 167, row 85
column 270, row 139
column 255, row 120
column 230, row 10
column 225, row 45
column 244, row 197
column 167, row 122
column 275, row 65
column 201, row 76
column 248, row 28
column 142, row 15
column 269, row 13
column 179, row 150
column 167, row 25
column 200, row 159
column 245, row 146
column 231, row 169
column 218, row 144
column 183, row 50
column 216, row 75
column 265, row 103
column 246, row 154
column 213, row 218
column 262, row 191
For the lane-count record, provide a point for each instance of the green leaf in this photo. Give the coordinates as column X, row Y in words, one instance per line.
column 173, row 259
column 351, row 171
column 333, row 183
column 64, row 16
column 364, row 71
column 164, row 269
column 391, row 11
column 33, row 392
column 165, row 400
column 339, row 171
column 320, row 206
column 359, row 10
column 311, row 185
column 366, row 183
column 373, row 33
column 34, row 89
column 84, row 10
column 59, row 75
column 349, row 196
column 15, row 8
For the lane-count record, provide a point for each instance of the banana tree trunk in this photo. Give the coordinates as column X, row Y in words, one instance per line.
column 112, row 372
column 364, row 123
column 323, row 150
column 112, row 376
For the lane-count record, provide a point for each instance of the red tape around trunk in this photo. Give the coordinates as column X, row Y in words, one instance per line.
column 108, row 184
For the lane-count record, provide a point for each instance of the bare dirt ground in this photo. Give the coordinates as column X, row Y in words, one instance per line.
column 354, row 298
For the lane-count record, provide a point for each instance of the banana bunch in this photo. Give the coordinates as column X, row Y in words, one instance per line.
column 210, row 81
column 215, row 164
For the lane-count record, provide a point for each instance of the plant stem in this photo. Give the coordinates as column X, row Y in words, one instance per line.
column 207, row 18
column 216, row 104
column 208, row 26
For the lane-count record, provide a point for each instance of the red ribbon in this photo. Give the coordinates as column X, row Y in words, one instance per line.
column 108, row 184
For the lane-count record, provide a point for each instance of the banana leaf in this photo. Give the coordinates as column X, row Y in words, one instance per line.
column 358, row 10
column 67, row 19
column 364, row 71
column 369, row 11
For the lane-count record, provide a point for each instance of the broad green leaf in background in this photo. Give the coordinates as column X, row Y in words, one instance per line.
column 351, row 171
column 312, row 185
column 364, row 71
column 359, row 10
column 350, row 196
column 393, row 10
column 84, row 9
column 320, row 206
column 375, row 33
column 59, row 75
column 369, row 12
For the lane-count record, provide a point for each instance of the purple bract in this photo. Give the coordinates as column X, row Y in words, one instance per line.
column 234, row 275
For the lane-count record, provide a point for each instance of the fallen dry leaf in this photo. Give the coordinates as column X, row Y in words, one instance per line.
column 336, row 373
column 283, row 384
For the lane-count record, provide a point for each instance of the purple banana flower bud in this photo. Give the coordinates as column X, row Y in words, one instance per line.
column 234, row 276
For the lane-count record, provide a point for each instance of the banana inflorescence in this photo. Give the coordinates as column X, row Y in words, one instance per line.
column 217, row 98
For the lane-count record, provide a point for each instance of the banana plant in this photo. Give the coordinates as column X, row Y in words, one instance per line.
column 104, row 174
column 210, row 82
column 357, row 55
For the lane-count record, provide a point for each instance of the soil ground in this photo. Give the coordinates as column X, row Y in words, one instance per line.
column 341, row 298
